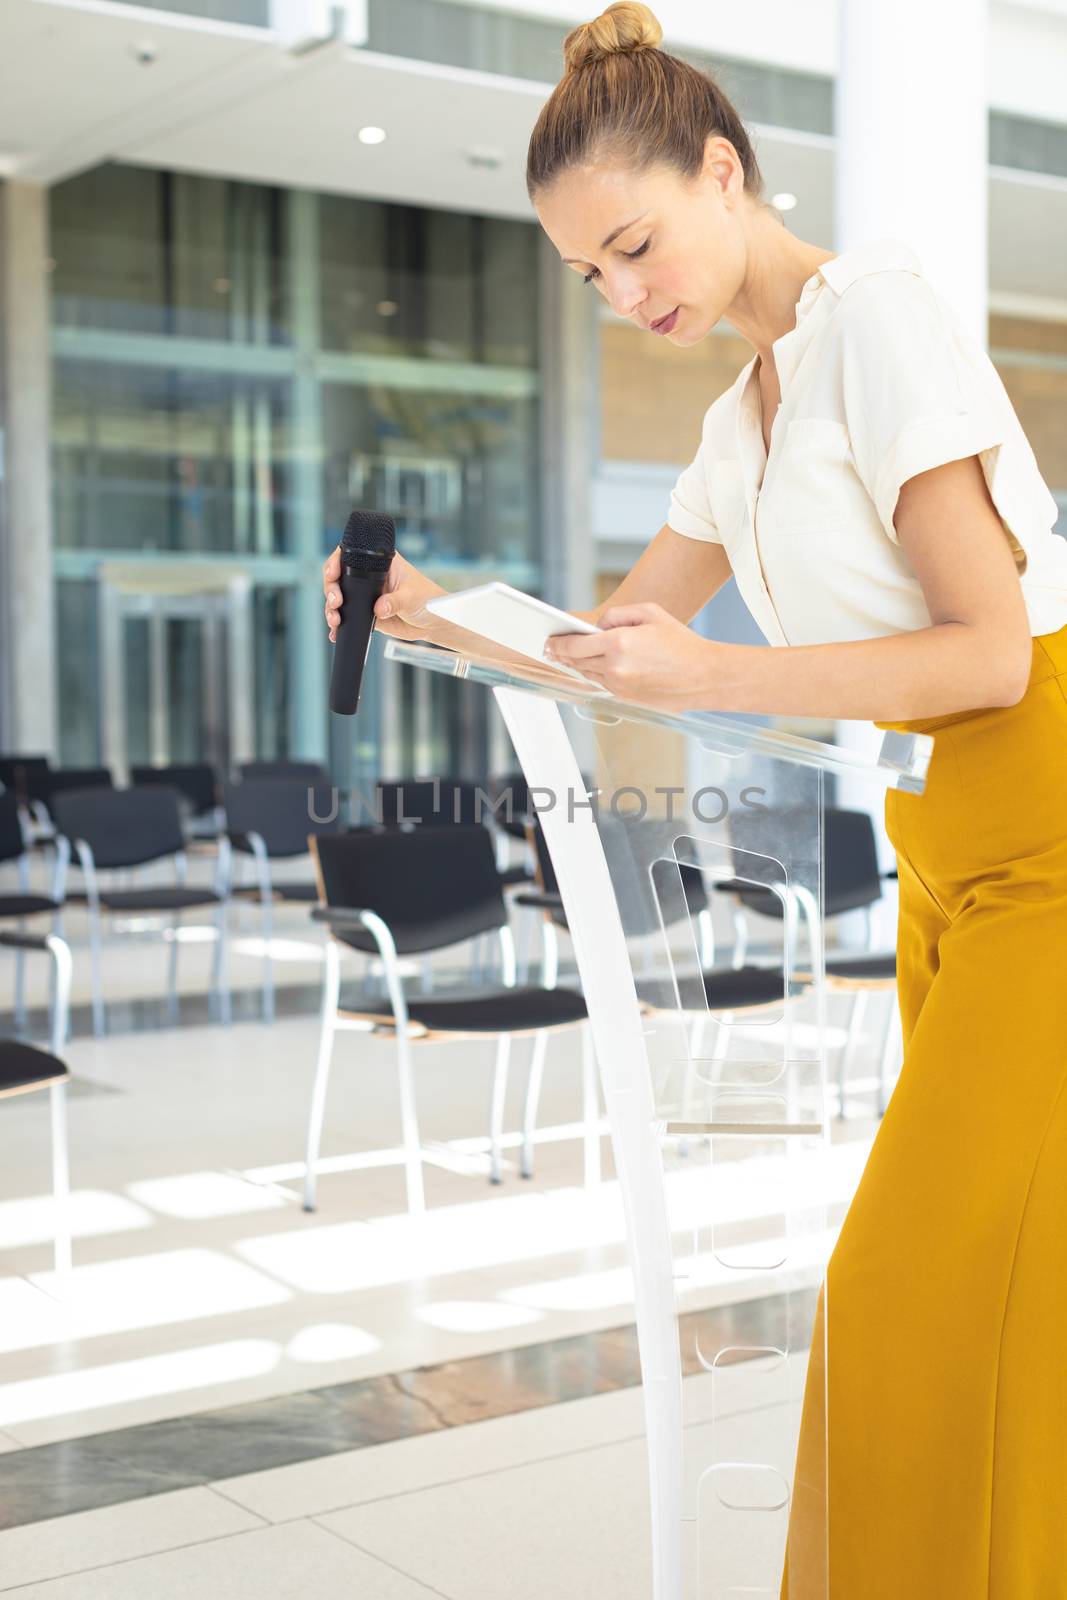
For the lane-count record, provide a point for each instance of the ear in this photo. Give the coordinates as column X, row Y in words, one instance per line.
column 722, row 168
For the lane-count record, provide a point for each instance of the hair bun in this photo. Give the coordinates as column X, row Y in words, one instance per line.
column 620, row 29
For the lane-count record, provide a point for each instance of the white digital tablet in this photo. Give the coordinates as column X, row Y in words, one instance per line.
column 509, row 617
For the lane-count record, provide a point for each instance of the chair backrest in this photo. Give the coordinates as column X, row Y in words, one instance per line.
column 515, row 813
column 646, row 894
column 122, row 827
column 433, row 802
column 45, row 784
column 195, row 782
column 282, row 812
column 851, row 875
column 432, row 887
column 311, row 773
column 15, row 769
column 12, row 843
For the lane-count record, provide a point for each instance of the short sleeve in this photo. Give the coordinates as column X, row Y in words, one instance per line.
column 690, row 508
column 915, row 395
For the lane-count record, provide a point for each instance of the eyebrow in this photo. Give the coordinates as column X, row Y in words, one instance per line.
column 571, row 260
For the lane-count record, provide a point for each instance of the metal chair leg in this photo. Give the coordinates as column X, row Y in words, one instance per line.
column 331, row 988
column 496, row 1106
column 533, row 1095
column 855, row 1021
column 549, row 953
column 20, row 984
column 590, row 1108
column 220, row 969
column 95, row 973
column 172, row 972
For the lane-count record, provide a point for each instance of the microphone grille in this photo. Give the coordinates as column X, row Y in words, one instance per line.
column 369, row 541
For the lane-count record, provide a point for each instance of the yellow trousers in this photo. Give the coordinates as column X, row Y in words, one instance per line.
column 945, row 1298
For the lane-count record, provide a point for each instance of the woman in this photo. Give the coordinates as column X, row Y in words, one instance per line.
column 868, row 484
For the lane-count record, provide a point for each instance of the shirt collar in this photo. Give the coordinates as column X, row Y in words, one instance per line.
column 881, row 255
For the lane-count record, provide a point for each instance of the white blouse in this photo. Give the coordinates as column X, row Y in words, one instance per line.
column 879, row 380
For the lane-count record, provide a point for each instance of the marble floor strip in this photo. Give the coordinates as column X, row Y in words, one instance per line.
column 125, row 1464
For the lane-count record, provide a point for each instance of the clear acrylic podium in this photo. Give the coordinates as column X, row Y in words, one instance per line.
column 713, row 1077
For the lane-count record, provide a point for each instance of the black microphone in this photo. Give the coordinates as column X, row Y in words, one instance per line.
column 368, row 545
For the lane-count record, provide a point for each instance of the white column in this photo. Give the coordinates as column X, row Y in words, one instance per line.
column 27, row 618
column 570, row 430
column 911, row 125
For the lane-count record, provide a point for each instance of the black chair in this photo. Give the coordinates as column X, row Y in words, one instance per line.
column 43, row 785
column 14, row 847
column 431, row 802
column 311, row 773
column 24, row 1069
column 117, row 829
column 198, row 789
column 393, row 894
column 443, row 802
column 268, row 820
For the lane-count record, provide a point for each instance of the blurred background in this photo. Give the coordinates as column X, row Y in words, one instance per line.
column 230, row 315
column 261, row 262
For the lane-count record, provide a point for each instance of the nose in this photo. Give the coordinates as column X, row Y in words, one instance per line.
column 624, row 296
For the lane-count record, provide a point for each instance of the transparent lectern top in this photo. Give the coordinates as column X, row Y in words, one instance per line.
column 900, row 763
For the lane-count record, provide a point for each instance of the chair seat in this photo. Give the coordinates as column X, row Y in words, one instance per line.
column 879, row 967
column 26, row 905
column 158, row 898
column 23, row 1066
column 510, row 875
column 308, row 893
column 518, row 1010
column 540, row 901
column 722, row 989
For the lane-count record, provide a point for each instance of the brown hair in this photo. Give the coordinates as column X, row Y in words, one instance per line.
column 622, row 96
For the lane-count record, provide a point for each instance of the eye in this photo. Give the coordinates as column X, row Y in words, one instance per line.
column 631, row 255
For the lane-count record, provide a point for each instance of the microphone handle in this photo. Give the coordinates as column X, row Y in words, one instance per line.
column 359, row 590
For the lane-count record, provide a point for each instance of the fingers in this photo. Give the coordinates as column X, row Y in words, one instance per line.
column 629, row 616
column 577, row 649
column 331, row 580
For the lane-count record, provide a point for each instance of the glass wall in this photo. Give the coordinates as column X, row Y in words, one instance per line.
column 235, row 368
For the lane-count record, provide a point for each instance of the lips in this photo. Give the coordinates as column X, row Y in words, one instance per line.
column 665, row 324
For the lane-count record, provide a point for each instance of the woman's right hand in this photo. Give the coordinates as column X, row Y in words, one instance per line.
column 399, row 610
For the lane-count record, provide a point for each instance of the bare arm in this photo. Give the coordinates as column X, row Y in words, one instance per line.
column 976, row 653
column 678, row 573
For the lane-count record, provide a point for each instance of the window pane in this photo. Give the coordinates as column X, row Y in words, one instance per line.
column 150, row 458
column 142, row 251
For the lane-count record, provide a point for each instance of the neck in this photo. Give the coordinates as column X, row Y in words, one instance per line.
column 779, row 265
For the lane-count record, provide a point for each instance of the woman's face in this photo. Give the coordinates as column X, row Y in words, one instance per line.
column 659, row 248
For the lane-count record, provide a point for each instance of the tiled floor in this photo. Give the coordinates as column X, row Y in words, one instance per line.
column 547, row 1503
column 201, row 1284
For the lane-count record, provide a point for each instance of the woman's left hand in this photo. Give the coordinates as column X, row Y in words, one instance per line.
column 643, row 654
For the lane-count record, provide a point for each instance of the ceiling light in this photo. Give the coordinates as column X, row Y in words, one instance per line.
column 372, row 135
column 783, row 202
